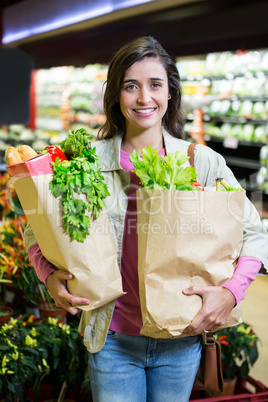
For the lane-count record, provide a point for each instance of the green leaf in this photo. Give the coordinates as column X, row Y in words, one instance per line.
column 80, row 175
column 11, row 387
column 253, row 354
column 4, row 347
column 244, row 369
column 185, row 175
column 185, row 187
column 157, row 172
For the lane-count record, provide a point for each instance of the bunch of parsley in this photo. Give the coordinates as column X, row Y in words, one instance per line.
column 163, row 173
column 79, row 175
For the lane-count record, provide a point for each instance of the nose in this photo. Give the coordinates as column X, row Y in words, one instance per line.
column 144, row 96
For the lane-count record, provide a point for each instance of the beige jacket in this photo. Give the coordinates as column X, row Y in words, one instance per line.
column 209, row 165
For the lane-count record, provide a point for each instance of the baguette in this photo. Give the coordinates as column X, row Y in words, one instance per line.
column 26, row 152
column 12, row 156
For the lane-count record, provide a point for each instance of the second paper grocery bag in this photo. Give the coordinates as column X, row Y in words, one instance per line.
column 185, row 238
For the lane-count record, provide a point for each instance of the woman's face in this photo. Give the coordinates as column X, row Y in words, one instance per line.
column 144, row 95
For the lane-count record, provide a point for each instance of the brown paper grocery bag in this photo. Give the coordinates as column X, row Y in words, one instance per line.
column 185, row 238
column 92, row 263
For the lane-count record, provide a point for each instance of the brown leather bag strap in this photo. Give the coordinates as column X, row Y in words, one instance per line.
column 191, row 153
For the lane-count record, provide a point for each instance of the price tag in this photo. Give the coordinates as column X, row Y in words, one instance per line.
column 231, row 142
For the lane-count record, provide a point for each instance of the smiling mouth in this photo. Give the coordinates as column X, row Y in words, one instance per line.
column 144, row 111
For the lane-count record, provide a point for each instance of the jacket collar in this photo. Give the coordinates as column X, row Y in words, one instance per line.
column 173, row 144
column 109, row 153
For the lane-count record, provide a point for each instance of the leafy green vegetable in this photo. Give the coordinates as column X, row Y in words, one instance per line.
column 78, row 143
column 80, row 175
column 163, row 173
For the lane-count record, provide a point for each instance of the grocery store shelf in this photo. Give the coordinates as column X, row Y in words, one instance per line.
column 221, row 140
column 241, row 162
column 234, row 120
column 252, row 98
column 222, row 77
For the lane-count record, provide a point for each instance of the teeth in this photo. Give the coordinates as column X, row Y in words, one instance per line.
column 144, row 110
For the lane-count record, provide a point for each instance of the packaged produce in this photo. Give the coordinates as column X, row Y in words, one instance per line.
column 261, row 134
column 246, row 109
column 226, row 129
column 237, row 131
column 259, row 110
column 235, row 107
column 248, row 132
column 264, row 155
column 226, row 107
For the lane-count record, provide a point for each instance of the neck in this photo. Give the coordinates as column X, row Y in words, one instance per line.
column 141, row 141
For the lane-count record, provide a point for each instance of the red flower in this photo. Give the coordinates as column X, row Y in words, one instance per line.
column 223, row 340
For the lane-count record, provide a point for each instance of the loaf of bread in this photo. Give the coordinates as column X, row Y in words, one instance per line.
column 26, row 152
column 12, row 156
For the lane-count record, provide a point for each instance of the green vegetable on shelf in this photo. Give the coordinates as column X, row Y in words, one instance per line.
column 80, row 175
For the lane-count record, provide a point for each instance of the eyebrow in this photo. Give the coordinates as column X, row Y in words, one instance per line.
column 151, row 79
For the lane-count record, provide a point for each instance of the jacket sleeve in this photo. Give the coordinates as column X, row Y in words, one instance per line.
column 210, row 165
column 28, row 237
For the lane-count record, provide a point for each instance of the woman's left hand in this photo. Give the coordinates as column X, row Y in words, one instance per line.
column 218, row 303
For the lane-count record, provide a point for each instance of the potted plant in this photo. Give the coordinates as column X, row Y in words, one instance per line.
column 10, row 206
column 5, row 314
column 16, row 268
column 22, row 359
column 3, row 276
column 47, row 309
column 35, row 354
column 239, row 351
column 17, row 271
column 64, row 345
column 66, row 356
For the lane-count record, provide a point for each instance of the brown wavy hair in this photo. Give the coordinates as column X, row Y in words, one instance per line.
column 137, row 50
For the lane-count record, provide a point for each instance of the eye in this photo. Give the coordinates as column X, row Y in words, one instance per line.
column 130, row 87
column 156, row 85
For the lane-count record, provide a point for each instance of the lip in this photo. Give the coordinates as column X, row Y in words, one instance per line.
column 144, row 112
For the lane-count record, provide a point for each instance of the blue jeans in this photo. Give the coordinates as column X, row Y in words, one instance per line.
column 141, row 369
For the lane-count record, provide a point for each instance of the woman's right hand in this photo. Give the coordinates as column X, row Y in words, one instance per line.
column 57, row 286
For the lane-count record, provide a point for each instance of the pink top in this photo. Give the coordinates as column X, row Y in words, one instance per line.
column 127, row 314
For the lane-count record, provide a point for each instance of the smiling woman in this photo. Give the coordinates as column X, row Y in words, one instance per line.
column 142, row 103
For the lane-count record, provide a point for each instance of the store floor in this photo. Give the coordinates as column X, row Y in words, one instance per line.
column 255, row 313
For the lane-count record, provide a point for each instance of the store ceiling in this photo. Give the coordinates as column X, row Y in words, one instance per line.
column 6, row 3
column 188, row 29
